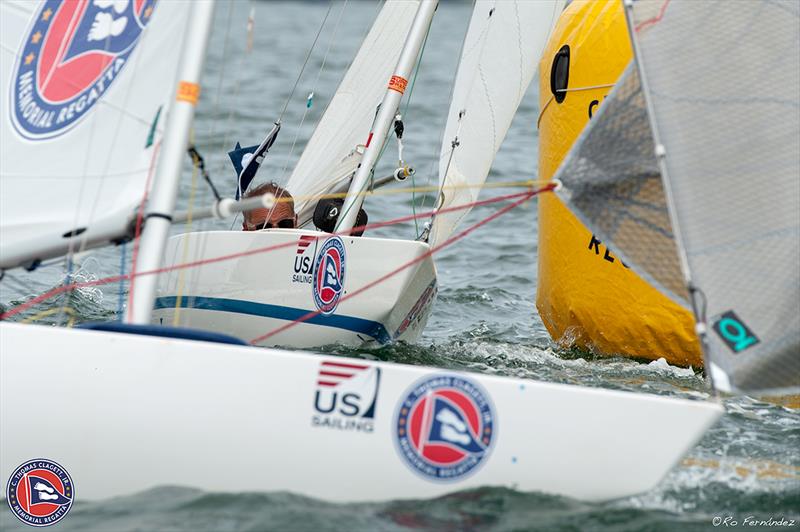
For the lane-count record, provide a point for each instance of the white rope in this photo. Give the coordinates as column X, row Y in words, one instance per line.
column 575, row 89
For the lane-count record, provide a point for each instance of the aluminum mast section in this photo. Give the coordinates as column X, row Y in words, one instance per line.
column 161, row 204
column 386, row 114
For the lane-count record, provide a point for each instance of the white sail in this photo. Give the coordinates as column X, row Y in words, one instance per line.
column 501, row 51
column 85, row 92
column 333, row 152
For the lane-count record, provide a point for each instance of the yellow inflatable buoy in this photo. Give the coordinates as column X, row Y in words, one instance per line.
column 586, row 296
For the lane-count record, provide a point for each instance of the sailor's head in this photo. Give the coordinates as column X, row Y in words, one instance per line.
column 281, row 214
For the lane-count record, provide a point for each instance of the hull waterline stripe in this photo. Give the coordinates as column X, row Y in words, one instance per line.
column 349, row 323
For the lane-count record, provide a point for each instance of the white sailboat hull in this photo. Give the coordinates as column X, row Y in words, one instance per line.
column 124, row 413
column 254, row 294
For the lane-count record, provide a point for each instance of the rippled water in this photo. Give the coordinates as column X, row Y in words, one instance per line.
column 746, row 468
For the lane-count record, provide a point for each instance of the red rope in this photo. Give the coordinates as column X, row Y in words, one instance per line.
column 117, row 278
column 654, row 20
column 139, row 220
column 527, row 195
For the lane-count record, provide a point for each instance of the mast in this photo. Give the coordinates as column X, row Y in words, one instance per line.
column 387, row 112
column 160, row 206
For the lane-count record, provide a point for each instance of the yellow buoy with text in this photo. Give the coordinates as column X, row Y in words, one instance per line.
column 586, row 296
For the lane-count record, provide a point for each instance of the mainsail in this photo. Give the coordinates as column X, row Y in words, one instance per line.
column 333, row 152
column 500, row 55
column 721, row 107
column 85, row 89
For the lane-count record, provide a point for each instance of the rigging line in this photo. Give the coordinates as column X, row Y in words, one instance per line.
column 587, row 88
column 61, row 310
column 377, row 10
column 528, row 183
column 188, row 229
column 67, row 280
column 216, row 109
column 310, row 98
column 225, row 50
column 368, row 183
column 451, row 240
column 121, row 292
column 405, row 116
column 436, row 157
column 222, row 258
column 102, row 181
column 89, row 144
column 308, row 56
column 236, row 87
column 138, row 230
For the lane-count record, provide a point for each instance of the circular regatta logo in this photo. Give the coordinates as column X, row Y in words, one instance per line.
column 70, row 57
column 328, row 284
column 40, row 492
column 445, row 426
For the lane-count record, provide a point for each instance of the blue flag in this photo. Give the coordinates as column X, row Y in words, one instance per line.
column 246, row 171
column 449, row 425
column 43, row 491
column 236, row 155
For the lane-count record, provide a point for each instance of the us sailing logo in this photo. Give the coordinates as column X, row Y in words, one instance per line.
column 70, row 57
column 346, row 396
column 329, row 269
column 444, row 427
column 304, row 259
column 40, row 492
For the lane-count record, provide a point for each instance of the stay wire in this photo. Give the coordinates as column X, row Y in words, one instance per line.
column 405, row 116
column 308, row 56
column 462, row 112
column 310, row 100
column 436, row 156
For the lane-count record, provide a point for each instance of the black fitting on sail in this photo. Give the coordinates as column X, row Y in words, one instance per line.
column 398, row 127
column 327, row 213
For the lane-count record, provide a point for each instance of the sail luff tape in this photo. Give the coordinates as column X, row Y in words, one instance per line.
column 188, row 92
column 398, row 83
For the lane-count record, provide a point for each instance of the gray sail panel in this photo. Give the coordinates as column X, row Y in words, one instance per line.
column 612, row 183
column 724, row 85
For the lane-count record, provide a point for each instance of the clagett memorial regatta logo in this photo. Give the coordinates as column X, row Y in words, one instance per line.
column 444, row 427
column 40, row 492
column 70, row 57
column 328, row 276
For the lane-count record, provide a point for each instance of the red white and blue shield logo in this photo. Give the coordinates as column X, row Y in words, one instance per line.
column 71, row 55
column 445, row 427
column 329, row 269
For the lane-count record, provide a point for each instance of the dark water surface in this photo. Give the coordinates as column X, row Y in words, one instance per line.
column 746, row 469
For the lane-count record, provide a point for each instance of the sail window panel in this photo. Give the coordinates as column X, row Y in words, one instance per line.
column 725, row 89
